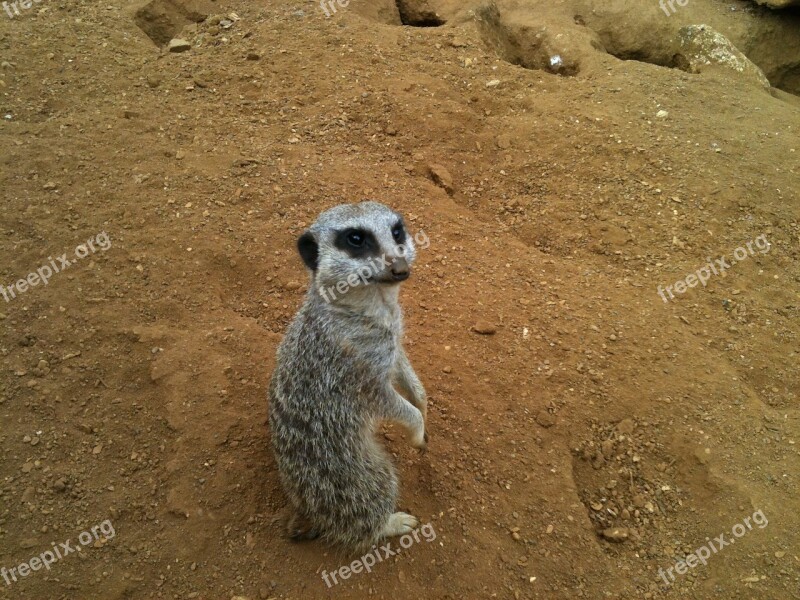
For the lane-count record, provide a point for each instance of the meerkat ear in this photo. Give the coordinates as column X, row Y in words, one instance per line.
column 309, row 250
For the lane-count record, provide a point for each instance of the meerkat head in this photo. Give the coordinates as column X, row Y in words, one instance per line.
column 353, row 248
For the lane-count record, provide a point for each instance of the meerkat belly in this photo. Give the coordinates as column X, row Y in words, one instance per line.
column 332, row 443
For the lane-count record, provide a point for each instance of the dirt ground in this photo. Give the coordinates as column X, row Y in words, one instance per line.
column 598, row 435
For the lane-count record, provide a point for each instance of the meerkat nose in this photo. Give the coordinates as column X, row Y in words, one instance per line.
column 400, row 269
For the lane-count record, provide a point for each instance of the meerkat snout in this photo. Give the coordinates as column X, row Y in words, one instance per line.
column 400, row 269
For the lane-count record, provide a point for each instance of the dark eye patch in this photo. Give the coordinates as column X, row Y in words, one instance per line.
column 358, row 243
column 399, row 232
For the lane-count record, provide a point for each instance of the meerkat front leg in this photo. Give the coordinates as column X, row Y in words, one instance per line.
column 406, row 379
column 396, row 408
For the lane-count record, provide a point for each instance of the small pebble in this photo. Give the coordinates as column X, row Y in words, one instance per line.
column 179, row 45
column 615, row 534
column 484, row 328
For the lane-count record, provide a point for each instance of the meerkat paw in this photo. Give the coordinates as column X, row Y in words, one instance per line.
column 400, row 523
column 420, row 441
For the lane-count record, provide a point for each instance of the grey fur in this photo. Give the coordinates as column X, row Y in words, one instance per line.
column 334, row 383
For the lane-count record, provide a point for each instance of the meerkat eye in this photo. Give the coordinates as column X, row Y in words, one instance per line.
column 398, row 233
column 356, row 238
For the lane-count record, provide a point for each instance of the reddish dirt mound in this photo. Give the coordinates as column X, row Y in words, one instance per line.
column 597, row 438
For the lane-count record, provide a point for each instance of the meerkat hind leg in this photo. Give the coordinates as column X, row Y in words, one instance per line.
column 400, row 523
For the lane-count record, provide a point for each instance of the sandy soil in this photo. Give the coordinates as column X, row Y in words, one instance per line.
column 598, row 435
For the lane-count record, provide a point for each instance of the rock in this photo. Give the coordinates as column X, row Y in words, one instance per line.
column 484, row 328
column 253, row 56
column 545, row 419
column 245, row 162
column 503, row 141
column 615, row 534
column 441, row 177
column 60, row 485
column 625, row 427
column 179, row 45
column 493, row 83
column 702, row 48
column 779, row 3
column 662, row 114
column 607, row 448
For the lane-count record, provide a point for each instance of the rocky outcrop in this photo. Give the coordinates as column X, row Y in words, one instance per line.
column 769, row 38
column 779, row 3
column 701, row 48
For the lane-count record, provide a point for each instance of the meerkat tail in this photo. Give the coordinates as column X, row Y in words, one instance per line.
column 298, row 528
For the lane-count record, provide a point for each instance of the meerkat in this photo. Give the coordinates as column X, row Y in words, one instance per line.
column 338, row 371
